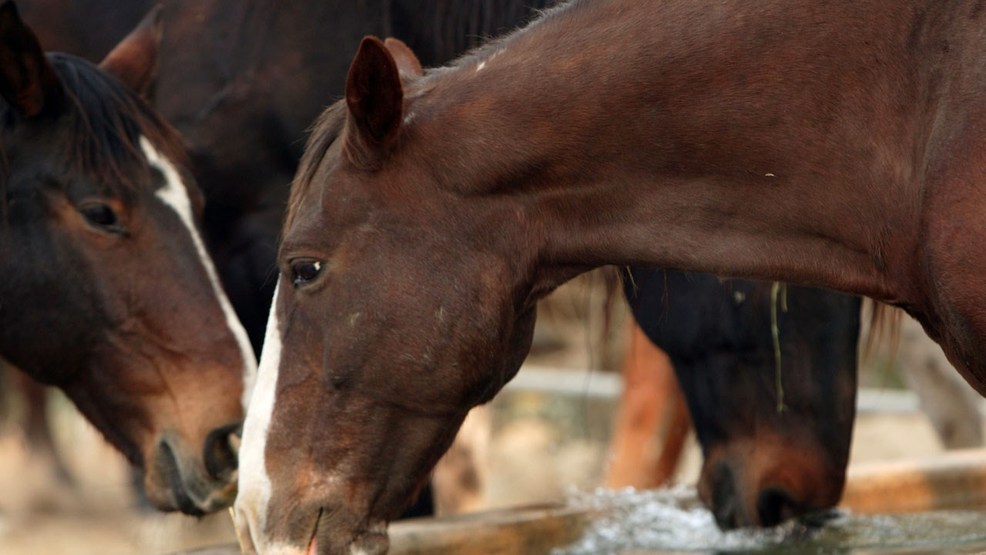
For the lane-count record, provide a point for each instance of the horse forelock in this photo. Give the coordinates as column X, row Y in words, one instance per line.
column 105, row 123
column 324, row 132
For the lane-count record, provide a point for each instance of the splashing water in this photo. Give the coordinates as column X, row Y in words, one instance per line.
column 673, row 520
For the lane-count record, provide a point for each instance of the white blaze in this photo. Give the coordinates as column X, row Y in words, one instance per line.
column 254, row 483
column 175, row 194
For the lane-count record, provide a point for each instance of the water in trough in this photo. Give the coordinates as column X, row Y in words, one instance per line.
column 672, row 521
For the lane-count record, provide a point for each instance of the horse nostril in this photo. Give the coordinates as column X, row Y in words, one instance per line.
column 725, row 503
column 220, row 454
column 775, row 505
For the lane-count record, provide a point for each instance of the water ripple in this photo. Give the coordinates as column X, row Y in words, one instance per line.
column 672, row 520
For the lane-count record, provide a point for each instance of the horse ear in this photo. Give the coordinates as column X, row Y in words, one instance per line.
column 27, row 80
column 407, row 63
column 134, row 60
column 374, row 95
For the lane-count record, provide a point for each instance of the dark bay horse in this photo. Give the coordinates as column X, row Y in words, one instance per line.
column 836, row 144
column 775, row 440
column 108, row 292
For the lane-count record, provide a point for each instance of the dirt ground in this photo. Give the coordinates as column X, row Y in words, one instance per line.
column 540, row 447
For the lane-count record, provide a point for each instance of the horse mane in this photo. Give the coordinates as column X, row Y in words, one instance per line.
column 451, row 27
column 881, row 326
column 484, row 17
column 107, row 120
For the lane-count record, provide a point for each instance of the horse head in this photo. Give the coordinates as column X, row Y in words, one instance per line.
column 382, row 377
column 108, row 292
column 773, row 413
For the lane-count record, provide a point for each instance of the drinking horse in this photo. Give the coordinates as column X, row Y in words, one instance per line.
column 723, row 328
column 239, row 168
column 835, row 144
column 242, row 81
column 108, row 293
column 769, row 377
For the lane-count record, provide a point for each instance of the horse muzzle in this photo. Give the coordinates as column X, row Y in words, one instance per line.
column 743, row 490
column 332, row 537
column 322, row 531
column 194, row 485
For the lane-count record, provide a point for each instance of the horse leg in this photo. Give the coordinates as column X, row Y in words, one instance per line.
column 652, row 421
column 951, row 405
column 5, row 389
column 37, row 428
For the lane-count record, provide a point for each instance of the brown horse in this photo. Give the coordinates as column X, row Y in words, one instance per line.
column 836, row 144
column 107, row 290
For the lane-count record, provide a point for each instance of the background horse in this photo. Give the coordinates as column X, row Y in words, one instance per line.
column 107, row 292
column 649, row 437
column 707, row 326
column 837, row 145
column 775, row 439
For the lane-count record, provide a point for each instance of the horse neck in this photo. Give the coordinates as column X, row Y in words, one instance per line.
column 673, row 147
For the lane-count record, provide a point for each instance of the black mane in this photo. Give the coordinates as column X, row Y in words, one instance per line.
column 442, row 30
column 438, row 32
column 104, row 122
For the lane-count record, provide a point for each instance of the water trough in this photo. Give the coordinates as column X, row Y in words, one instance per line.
column 916, row 496
column 931, row 485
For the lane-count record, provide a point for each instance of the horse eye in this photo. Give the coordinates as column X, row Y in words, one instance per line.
column 304, row 270
column 102, row 216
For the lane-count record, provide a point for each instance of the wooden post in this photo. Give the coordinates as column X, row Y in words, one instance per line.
column 952, row 480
